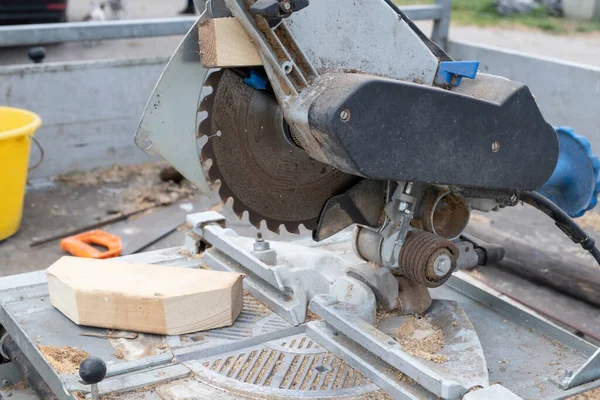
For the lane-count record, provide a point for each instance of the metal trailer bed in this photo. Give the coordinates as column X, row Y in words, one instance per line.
column 263, row 355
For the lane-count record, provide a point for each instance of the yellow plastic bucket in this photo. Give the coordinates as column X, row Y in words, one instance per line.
column 16, row 130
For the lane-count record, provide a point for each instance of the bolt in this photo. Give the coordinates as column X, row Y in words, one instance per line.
column 496, row 146
column 5, row 382
column 442, row 265
column 402, row 206
column 287, row 67
column 285, row 6
column 408, row 188
column 260, row 244
column 345, row 115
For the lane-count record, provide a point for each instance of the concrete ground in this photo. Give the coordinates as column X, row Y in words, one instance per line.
column 581, row 48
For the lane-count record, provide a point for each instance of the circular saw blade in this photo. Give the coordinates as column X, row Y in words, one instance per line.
column 262, row 172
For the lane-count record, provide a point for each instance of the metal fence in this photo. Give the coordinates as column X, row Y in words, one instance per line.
column 38, row 34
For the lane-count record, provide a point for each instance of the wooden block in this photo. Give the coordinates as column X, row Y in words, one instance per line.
column 225, row 44
column 142, row 297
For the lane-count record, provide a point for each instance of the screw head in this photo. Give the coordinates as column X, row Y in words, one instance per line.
column 496, row 146
column 285, row 6
column 442, row 265
column 345, row 115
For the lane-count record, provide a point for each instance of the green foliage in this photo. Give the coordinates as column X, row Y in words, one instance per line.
column 483, row 13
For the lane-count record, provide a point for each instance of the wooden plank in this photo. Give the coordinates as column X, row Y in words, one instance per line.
column 143, row 297
column 225, row 44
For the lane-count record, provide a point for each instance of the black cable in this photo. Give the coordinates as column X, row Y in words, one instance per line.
column 433, row 47
column 562, row 221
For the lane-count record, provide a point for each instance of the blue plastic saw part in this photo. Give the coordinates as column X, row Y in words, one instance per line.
column 256, row 80
column 452, row 72
column 574, row 184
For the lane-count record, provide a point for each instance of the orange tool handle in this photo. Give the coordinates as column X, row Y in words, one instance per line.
column 79, row 245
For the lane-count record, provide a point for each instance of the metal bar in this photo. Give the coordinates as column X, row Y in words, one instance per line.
column 36, row 34
column 441, row 25
column 424, row 12
column 293, row 312
column 22, row 35
column 479, row 291
column 371, row 366
column 132, row 382
column 33, row 354
column 587, row 373
column 384, row 347
column 216, row 236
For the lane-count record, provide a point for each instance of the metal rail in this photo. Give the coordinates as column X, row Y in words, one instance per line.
column 38, row 34
column 35, row 34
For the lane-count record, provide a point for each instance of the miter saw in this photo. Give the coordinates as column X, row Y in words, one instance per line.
column 356, row 118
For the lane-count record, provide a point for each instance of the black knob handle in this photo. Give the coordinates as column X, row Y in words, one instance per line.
column 37, row 54
column 92, row 370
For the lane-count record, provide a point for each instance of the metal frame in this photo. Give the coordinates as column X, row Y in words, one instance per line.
column 361, row 345
column 37, row 34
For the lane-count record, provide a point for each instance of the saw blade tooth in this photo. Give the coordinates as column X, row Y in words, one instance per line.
column 238, row 208
column 213, row 78
column 225, row 193
column 273, row 226
column 205, row 127
column 292, row 228
column 206, row 104
column 254, row 220
column 214, row 176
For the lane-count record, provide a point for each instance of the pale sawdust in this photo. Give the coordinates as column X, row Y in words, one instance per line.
column 589, row 220
column 383, row 314
column 311, row 316
column 114, row 174
column 17, row 386
column 378, row 395
column 144, row 188
column 64, row 360
column 420, row 338
column 119, row 355
column 591, row 395
column 158, row 194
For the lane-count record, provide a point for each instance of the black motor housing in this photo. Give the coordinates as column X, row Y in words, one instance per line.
column 488, row 133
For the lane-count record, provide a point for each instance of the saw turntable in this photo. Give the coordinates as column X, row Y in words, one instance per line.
column 359, row 129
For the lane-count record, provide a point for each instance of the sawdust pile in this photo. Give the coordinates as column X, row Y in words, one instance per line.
column 311, row 316
column 138, row 186
column 17, row 386
column 420, row 338
column 591, row 395
column 64, row 360
column 114, row 174
column 157, row 194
